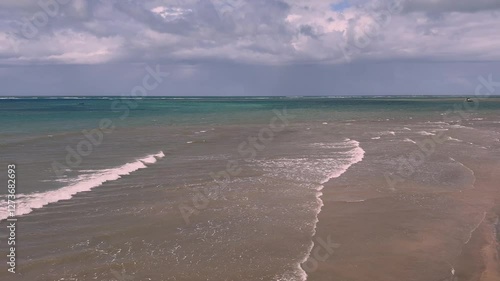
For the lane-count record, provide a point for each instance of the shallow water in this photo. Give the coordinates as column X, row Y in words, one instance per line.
column 215, row 188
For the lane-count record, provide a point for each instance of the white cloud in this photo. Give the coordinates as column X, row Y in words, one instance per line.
column 170, row 13
column 257, row 31
column 67, row 46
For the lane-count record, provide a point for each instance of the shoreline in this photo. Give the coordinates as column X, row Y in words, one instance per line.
column 391, row 237
column 358, row 156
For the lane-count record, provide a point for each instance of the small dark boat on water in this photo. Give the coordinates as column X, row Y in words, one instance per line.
column 469, row 100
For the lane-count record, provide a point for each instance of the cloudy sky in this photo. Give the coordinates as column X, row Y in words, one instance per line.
column 248, row 47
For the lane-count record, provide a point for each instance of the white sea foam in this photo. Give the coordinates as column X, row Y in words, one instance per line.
column 424, row 133
column 470, row 170
column 28, row 202
column 409, row 140
column 353, row 201
column 438, row 122
column 475, row 227
column 460, row 127
column 385, row 133
column 356, row 155
column 333, row 160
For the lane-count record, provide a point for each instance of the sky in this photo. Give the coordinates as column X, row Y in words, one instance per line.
column 248, row 47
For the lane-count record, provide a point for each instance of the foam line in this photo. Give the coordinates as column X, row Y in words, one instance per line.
column 26, row 203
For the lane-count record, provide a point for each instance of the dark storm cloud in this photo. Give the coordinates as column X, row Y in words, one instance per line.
column 258, row 31
column 224, row 46
column 228, row 79
column 468, row 6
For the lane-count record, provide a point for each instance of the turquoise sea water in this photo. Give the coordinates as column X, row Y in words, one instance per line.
column 30, row 115
column 34, row 125
column 164, row 152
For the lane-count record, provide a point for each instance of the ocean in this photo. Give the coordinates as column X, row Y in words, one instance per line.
column 245, row 188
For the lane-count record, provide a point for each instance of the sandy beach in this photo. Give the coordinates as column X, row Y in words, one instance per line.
column 416, row 232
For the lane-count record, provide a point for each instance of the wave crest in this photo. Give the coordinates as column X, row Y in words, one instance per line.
column 26, row 203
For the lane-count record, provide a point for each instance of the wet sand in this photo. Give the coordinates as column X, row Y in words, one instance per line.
column 412, row 233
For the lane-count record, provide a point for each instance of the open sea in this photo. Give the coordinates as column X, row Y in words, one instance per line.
column 171, row 188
